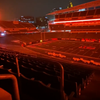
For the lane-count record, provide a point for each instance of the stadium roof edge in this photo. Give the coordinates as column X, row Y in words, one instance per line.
column 81, row 6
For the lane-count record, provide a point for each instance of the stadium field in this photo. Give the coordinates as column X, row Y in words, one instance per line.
column 70, row 50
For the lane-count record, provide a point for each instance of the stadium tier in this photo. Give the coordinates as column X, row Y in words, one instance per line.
column 77, row 20
column 40, row 78
column 36, row 37
column 16, row 27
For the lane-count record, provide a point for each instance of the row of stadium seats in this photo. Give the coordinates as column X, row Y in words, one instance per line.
column 83, row 27
column 40, row 78
column 18, row 39
column 79, row 14
column 10, row 24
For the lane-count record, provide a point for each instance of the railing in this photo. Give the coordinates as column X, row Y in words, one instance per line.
column 62, row 82
column 63, row 96
column 14, row 85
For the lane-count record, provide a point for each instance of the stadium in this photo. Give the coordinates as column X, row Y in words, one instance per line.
column 63, row 64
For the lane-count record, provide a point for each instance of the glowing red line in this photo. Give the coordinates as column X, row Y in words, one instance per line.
column 76, row 21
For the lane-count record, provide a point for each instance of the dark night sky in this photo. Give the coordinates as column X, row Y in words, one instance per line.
column 11, row 9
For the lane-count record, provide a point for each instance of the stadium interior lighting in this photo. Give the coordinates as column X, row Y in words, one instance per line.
column 2, row 34
column 98, row 19
column 81, row 9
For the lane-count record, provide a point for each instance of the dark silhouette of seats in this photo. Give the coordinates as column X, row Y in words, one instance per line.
column 71, row 87
column 42, row 76
column 97, row 12
column 9, row 65
column 62, row 15
column 83, row 13
column 56, row 16
column 68, row 15
column 4, row 71
column 39, row 90
column 75, row 14
column 91, row 12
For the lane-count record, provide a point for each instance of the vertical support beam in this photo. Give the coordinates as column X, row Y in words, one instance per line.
column 18, row 71
column 18, row 75
column 62, row 81
column 44, row 36
column 41, row 35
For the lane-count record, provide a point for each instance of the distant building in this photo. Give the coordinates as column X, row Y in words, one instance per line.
column 42, row 22
column 27, row 19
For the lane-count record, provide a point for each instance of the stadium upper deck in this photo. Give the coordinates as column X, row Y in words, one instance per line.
column 13, row 27
column 77, row 19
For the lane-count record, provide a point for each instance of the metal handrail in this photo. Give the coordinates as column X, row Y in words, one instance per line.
column 62, row 81
column 15, row 84
column 17, row 64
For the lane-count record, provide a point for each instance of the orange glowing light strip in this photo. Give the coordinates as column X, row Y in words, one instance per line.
column 98, row 19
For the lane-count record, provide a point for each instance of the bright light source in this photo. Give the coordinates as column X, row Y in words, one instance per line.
column 53, row 31
column 2, row 34
column 41, row 40
column 46, row 17
column 60, row 8
column 81, row 9
column 67, row 30
column 97, row 19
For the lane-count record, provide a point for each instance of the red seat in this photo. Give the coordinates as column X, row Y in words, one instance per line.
column 4, row 95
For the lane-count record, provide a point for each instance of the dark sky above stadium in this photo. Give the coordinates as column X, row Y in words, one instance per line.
column 12, row 9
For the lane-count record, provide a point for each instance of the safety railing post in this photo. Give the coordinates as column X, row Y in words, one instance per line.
column 18, row 75
column 15, row 95
column 17, row 64
column 62, row 81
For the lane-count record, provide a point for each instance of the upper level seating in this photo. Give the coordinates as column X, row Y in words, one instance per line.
column 40, row 77
column 83, row 13
column 57, row 27
column 73, row 35
column 7, row 24
column 84, row 28
column 19, row 25
column 56, row 16
column 90, row 12
column 62, row 16
column 76, row 14
column 11, row 26
column 97, row 12
column 81, row 35
column 69, row 15
column 27, row 25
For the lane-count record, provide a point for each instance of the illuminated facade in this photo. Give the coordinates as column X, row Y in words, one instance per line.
column 77, row 19
column 27, row 19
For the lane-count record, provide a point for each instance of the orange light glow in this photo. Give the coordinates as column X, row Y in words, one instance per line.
column 86, row 20
column 86, row 61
